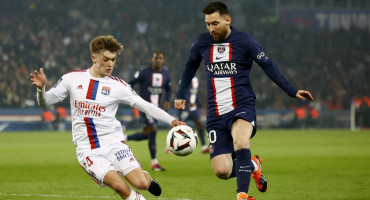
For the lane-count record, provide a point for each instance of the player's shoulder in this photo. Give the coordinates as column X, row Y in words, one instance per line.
column 204, row 38
column 74, row 74
column 165, row 69
column 241, row 36
column 117, row 81
column 146, row 70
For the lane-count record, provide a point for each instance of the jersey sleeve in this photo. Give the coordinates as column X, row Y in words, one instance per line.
column 153, row 111
column 128, row 95
column 268, row 66
column 136, row 78
column 56, row 94
column 191, row 68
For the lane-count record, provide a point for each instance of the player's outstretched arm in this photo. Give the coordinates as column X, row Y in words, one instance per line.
column 180, row 104
column 303, row 94
column 38, row 79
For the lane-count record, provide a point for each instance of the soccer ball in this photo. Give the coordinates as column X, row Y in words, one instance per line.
column 182, row 140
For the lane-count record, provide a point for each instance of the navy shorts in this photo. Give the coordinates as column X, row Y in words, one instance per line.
column 147, row 120
column 219, row 129
column 185, row 115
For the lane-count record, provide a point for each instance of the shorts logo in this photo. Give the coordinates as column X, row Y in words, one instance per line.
column 126, row 153
column 105, row 90
column 211, row 149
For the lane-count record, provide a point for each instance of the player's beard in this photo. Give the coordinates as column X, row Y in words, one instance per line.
column 218, row 36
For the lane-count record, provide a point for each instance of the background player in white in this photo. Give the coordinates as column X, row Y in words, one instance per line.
column 97, row 134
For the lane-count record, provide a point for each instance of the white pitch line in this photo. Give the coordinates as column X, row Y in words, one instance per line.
column 73, row 196
column 54, row 195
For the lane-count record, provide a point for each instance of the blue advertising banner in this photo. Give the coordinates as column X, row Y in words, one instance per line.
column 332, row 19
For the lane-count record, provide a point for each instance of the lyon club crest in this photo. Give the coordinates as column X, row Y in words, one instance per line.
column 221, row 49
column 105, row 90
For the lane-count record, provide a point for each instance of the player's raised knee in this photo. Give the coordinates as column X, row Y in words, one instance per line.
column 241, row 144
column 141, row 184
column 222, row 173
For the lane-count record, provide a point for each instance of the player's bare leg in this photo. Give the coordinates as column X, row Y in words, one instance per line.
column 222, row 165
column 115, row 181
column 143, row 181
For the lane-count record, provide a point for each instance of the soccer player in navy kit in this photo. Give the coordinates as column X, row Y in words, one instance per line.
column 231, row 118
column 153, row 80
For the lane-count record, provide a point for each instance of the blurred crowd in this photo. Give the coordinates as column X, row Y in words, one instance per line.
column 333, row 65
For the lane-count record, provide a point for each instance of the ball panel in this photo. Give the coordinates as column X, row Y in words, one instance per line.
column 182, row 140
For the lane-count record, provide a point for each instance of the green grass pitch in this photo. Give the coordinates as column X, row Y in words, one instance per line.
column 298, row 164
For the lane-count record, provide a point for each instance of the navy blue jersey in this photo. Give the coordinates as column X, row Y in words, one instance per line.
column 152, row 84
column 228, row 64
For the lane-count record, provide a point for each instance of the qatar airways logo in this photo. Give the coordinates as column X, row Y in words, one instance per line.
column 89, row 109
column 222, row 68
column 155, row 90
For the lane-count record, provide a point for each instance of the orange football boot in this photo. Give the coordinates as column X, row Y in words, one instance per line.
column 244, row 196
column 258, row 176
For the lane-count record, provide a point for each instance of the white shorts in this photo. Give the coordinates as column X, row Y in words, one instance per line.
column 98, row 162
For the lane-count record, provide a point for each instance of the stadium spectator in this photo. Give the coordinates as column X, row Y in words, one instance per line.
column 53, row 35
column 60, row 120
column 48, row 119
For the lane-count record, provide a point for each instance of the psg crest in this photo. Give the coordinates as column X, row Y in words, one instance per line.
column 221, row 49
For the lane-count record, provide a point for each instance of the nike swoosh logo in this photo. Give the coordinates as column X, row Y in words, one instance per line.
column 217, row 58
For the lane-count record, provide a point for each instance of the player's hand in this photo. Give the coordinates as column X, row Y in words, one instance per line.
column 38, row 79
column 303, row 94
column 167, row 105
column 177, row 123
column 180, row 104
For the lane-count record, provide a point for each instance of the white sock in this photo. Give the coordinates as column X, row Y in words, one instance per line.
column 154, row 161
column 255, row 166
column 204, row 147
column 135, row 195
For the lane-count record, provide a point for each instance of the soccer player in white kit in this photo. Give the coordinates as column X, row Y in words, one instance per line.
column 97, row 135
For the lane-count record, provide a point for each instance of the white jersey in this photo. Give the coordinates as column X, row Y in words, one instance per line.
column 94, row 103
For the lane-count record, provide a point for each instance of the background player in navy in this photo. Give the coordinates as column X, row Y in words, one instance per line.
column 193, row 112
column 231, row 120
column 153, row 80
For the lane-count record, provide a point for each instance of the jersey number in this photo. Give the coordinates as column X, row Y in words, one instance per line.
column 212, row 136
column 89, row 162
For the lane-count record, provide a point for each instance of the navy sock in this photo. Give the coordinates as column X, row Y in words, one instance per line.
column 233, row 173
column 201, row 136
column 137, row 137
column 244, row 168
column 152, row 144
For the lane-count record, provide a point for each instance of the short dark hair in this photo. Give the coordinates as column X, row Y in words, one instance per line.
column 105, row 42
column 158, row 52
column 216, row 6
